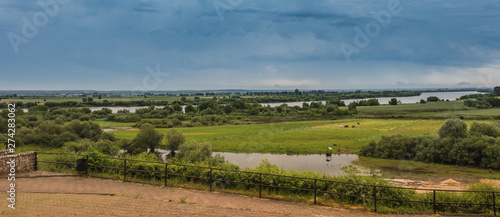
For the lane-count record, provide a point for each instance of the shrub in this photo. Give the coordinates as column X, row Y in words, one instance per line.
column 454, row 128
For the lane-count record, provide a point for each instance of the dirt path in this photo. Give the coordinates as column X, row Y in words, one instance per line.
column 73, row 196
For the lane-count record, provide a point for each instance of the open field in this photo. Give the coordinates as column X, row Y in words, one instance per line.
column 305, row 137
column 104, row 124
column 432, row 110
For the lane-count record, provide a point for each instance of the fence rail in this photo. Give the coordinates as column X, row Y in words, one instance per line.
column 376, row 199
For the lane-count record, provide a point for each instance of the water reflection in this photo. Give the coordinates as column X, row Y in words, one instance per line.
column 331, row 164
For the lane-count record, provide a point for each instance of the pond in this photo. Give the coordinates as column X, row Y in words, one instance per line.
column 330, row 165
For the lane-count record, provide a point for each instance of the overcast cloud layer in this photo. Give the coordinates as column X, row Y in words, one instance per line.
column 248, row 44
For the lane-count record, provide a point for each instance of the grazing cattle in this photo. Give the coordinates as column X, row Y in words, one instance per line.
column 358, row 123
column 341, row 126
column 353, row 126
column 346, row 126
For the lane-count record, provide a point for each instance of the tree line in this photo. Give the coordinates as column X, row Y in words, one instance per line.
column 456, row 144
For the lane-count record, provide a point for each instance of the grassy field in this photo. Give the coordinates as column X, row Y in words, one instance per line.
column 304, row 137
column 433, row 110
column 103, row 123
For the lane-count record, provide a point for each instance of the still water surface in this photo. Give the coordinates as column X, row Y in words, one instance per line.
column 329, row 165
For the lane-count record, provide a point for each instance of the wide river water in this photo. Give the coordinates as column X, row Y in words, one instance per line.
column 383, row 100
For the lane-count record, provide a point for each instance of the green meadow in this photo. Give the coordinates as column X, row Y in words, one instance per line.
column 303, row 137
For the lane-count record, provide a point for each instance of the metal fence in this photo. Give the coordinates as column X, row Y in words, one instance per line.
column 260, row 184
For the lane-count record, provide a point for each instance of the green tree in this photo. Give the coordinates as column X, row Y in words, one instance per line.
column 194, row 152
column 74, row 126
column 129, row 146
column 238, row 104
column 190, row 109
column 228, row 109
column 107, row 147
column 393, row 101
column 432, row 99
column 147, row 137
column 177, row 107
column 352, row 108
column 174, row 140
column 78, row 146
column 453, row 128
column 497, row 90
column 484, row 129
column 91, row 130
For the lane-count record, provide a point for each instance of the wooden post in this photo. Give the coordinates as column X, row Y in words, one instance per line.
column 494, row 204
column 260, row 185
column 125, row 170
column 434, row 201
column 87, row 171
column 36, row 160
column 166, row 174
column 375, row 197
column 211, row 179
column 315, row 190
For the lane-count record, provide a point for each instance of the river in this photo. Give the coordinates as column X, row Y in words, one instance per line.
column 382, row 100
column 451, row 96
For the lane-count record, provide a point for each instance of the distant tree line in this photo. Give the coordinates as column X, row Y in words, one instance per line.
column 479, row 146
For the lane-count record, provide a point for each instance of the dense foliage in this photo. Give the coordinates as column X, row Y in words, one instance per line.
column 479, row 146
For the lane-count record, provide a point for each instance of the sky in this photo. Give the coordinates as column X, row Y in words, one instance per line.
column 148, row 45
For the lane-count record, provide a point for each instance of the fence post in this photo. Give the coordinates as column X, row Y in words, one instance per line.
column 36, row 160
column 494, row 205
column 375, row 197
column 260, row 185
column 315, row 190
column 210, row 179
column 434, row 201
column 166, row 174
column 124, row 170
column 88, row 168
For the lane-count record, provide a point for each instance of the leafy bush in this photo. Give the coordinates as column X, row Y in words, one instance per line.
column 454, row 128
column 456, row 145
